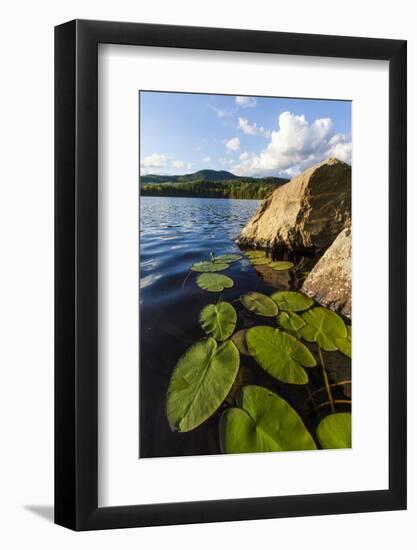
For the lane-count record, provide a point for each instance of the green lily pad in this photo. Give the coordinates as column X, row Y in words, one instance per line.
column 262, row 422
column 280, row 354
column 255, row 253
column 335, row 431
column 281, row 266
column 289, row 320
column 209, row 267
column 259, row 261
column 324, row 327
column 291, row 300
column 239, row 339
column 213, row 282
column 345, row 344
column 259, row 304
column 201, row 380
column 227, row 258
column 218, row 320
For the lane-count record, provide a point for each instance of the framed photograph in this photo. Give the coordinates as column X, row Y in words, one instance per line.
column 230, row 275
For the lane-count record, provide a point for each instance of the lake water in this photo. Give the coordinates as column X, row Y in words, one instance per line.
column 175, row 233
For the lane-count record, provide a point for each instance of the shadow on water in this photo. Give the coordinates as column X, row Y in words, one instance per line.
column 175, row 233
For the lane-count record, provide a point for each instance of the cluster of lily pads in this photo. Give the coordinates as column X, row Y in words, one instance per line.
column 261, row 420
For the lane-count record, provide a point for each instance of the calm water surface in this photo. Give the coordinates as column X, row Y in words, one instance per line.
column 175, row 233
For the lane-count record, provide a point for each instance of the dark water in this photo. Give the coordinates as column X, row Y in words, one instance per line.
column 175, row 233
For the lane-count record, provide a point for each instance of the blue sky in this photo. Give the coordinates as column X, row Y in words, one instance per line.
column 249, row 136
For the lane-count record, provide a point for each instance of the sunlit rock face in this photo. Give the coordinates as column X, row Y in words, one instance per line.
column 307, row 213
column 330, row 281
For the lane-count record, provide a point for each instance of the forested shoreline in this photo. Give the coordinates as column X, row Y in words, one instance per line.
column 229, row 189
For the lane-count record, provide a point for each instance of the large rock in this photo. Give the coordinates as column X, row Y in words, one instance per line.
column 330, row 281
column 307, row 213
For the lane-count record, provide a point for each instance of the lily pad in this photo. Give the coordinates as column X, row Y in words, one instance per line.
column 260, row 304
column 227, row 258
column 324, row 327
column 289, row 320
column 239, row 339
column 280, row 354
column 335, row 431
column 259, row 261
column 209, row 267
column 262, row 422
column 345, row 344
column 291, row 300
column 213, row 282
column 255, row 253
column 218, row 320
column 281, row 266
column 201, row 381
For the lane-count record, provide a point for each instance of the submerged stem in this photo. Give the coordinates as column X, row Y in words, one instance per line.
column 310, row 397
column 185, row 280
column 326, row 380
column 334, row 385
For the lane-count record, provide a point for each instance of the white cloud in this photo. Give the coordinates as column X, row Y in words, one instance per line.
column 252, row 129
column 294, row 146
column 206, row 160
column 221, row 113
column 245, row 101
column 341, row 148
column 162, row 164
column 233, row 144
column 155, row 161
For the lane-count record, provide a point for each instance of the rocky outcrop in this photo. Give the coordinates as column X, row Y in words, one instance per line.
column 307, row 213
column 330, row 281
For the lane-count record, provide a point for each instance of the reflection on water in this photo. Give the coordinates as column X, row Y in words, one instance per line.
column 175, row 233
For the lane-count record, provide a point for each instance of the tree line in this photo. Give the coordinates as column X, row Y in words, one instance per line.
column 234, row 189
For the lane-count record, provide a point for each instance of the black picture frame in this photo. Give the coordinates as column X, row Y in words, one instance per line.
column 76, row 272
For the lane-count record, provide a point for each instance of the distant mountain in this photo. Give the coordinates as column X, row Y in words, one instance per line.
column 201, row 175
column 210, row 175
column 206, row 175
column 152, row 178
